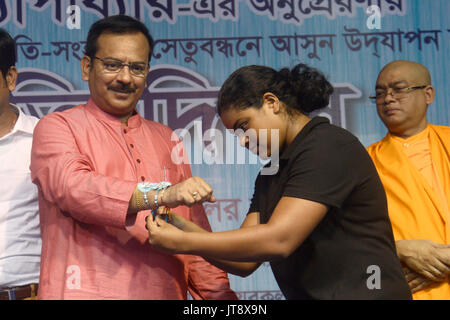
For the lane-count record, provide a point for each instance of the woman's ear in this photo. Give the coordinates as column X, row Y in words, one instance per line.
column 272, row 102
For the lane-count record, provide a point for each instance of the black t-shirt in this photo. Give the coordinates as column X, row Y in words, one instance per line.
column 351, row 253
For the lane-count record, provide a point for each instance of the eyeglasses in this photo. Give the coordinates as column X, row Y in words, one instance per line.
column 396, row 92
column 138, row 69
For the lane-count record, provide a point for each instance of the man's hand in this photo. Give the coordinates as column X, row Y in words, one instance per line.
column 188, row 192
column 415, row 281
column 428, row 259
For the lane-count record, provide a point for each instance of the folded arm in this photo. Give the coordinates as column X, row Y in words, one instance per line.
column 426, row 262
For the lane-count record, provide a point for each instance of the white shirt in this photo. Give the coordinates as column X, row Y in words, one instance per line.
column 20, row 239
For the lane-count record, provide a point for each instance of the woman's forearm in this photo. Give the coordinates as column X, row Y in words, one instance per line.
column 242, row 269
column 257, row 243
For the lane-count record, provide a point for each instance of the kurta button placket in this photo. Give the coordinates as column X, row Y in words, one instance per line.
column 133, row 151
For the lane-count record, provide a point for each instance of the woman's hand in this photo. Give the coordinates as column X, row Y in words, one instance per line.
column 164, row 236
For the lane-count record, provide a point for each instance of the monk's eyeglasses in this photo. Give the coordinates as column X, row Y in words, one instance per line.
column 396, row 92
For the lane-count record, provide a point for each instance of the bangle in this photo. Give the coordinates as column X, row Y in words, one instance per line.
column 145, row 187
column 166, row 209
column 146, row 200
column 162, row 194
column 137, row 203
column 156, row 199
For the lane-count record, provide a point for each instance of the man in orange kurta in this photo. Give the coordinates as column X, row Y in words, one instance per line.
column 413, row 161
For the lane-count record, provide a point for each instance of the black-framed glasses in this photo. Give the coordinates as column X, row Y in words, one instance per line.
column 138, row 69
column 396, row 92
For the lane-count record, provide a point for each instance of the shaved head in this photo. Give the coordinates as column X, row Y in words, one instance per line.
column 413, row 71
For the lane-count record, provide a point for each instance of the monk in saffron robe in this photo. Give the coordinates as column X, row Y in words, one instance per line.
column 413, row 161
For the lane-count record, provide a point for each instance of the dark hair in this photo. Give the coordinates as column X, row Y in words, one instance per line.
column 301, row 89
column 119, row 24
column 7, row 52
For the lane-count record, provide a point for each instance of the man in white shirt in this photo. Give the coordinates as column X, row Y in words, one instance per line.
column 20, row 239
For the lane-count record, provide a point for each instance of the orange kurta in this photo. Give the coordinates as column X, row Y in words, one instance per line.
column 418, row 191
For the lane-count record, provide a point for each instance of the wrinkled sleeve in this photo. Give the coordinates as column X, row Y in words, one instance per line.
column 205, row 281
column 67, row 179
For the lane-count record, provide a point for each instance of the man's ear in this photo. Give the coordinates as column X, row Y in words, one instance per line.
column 11, row 78
column 85, row 68
column 272, row 102
column 429, row 94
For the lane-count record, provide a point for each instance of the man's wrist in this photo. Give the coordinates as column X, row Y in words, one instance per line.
column 161, row 201
column 404, row 250
column 151, row 193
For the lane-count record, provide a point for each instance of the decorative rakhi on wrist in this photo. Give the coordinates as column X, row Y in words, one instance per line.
column 145, row 187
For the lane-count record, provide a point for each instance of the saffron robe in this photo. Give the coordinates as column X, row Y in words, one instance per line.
column 416, row 209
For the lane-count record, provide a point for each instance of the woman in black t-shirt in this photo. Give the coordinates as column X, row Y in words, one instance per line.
column 319, row 211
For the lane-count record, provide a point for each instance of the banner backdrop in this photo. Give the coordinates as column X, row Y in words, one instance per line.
column 200, row 42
